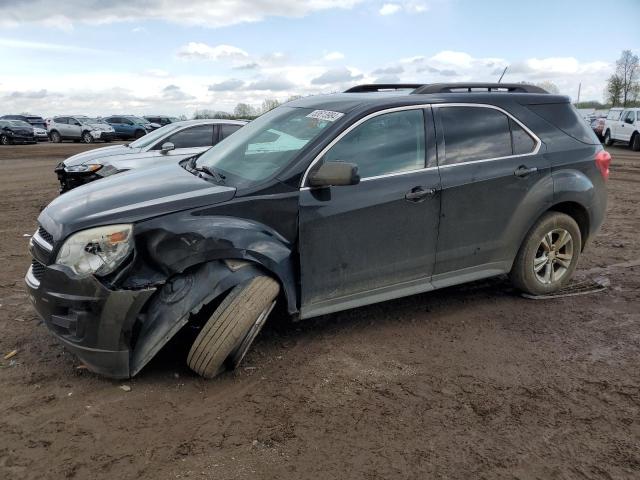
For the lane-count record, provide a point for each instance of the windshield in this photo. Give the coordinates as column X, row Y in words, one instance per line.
column 151, row 138
column 19, row 123
column 268, row 144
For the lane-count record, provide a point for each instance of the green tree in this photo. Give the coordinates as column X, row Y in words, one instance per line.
column 613, row 91
column 628, row 74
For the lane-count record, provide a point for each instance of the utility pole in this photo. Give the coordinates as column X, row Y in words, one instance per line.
column 579, row 87
column 503, row 72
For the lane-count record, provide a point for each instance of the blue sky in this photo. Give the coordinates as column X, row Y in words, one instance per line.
column 153, row 56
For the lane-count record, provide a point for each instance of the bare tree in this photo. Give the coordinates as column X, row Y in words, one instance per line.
column 628, row 71
column 269, row 104
column 613, row 91
column 549, row 86
column 244, row 110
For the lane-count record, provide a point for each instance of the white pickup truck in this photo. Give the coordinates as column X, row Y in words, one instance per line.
column 623, row 125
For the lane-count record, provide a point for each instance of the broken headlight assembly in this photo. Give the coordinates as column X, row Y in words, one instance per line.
column 83, row 168
column 98, row 250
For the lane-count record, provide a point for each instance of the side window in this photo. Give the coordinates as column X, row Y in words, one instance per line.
column 62, row 120
column 112, row 120
column 125, row 121
column 388, row 143
column 200, row 136
column 522, row 141
column 631, row 117
column 227, row 129
column 474, row 133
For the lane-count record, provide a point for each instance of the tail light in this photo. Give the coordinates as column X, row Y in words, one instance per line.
column 603, row 160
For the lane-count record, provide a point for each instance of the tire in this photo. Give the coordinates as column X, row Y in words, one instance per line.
column 538, row 270
column 607, row 138
column 87, row 138
column 231, row 325
column 55, row 137
column 635, row 142
column 5, row 140
column 139, row 134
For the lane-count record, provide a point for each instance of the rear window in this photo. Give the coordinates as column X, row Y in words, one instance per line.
column 566, row 118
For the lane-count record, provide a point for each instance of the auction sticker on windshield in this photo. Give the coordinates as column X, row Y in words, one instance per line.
column 327, row 115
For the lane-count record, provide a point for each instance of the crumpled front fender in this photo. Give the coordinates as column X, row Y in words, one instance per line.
column 182, row 295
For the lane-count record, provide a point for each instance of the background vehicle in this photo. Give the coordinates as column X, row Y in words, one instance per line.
column 127, row 127
column 326, row 203
column 169, row 144
column 79, row 128
column 597, row 125
column 623, row 127
column 38, row 124
column 16, row 131
column 161, row 120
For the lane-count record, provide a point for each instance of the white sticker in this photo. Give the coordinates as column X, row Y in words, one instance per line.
column 327, row 115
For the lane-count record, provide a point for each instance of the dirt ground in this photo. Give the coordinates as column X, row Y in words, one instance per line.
column 466, row 382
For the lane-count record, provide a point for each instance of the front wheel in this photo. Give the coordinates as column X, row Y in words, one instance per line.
column 635, row 143
column 4, row 140
column 139, row 134
column 87, row 138
column 228, row 334
column 548, row 256
column 608, row 141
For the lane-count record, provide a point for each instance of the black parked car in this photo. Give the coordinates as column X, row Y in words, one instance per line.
column 323, row 204
column 38, row 123
column 16, row 131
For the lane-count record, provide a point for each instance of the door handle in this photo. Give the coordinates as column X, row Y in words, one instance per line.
column 524, row 171
column 418, row 194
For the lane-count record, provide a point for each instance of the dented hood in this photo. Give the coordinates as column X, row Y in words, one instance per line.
column 104, row 153
column 130, row 197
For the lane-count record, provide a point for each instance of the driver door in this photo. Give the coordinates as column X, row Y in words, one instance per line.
column 376, row 240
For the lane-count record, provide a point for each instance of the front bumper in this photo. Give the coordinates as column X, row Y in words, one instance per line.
column 23, row 139
column 93, row 322
column 101, row 135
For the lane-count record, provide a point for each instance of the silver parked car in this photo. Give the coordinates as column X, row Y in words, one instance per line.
column 79, row 128
column 168, row 144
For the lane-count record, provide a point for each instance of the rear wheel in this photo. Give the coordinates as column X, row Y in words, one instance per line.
column 608, row 141
column 138, row 134
column 548, row 256
column 55, row 137
column 635, row 142
column 228, row 334
column 4, row 140
column 87, row 138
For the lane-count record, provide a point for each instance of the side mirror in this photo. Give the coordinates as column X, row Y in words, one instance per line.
column 335, row 173
column 167, row 147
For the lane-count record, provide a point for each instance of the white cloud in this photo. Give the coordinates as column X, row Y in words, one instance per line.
column 389, row 9
column 48, row 47
column 202, row 51
column 331, row 56
column 409, row 7
column 336, row 75
column 65, row 14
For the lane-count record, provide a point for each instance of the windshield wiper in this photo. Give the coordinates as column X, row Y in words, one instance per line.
column 220, row 178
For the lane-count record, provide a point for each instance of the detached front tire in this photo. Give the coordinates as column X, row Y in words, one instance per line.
column 228, row 334
column 548, row 256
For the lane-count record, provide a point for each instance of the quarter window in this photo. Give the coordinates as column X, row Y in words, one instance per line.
column 522, row 141
column 388, row 143
column 200, row 136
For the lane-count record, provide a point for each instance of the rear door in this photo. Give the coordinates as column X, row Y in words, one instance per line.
column 489, row 166
column 61, row 124
column 225, row 129
column 74, row 128
column 627, row 125
column 375, row 240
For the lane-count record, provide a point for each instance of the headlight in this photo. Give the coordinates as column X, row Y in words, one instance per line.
column 97, row 250
column 85, row 167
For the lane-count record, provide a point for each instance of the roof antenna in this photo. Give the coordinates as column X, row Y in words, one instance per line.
column 503, row 72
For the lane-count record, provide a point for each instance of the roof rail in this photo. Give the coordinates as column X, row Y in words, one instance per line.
column 478, row 86
column 377, row 87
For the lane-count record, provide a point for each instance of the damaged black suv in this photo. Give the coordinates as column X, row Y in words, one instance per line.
column 324, row 204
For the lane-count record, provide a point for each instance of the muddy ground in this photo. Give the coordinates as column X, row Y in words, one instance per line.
column 467, row 382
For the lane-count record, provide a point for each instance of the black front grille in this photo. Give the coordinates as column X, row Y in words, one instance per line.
column 37, row 269
column 45, row 235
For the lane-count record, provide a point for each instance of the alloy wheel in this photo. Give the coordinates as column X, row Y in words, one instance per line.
column 553, row 257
